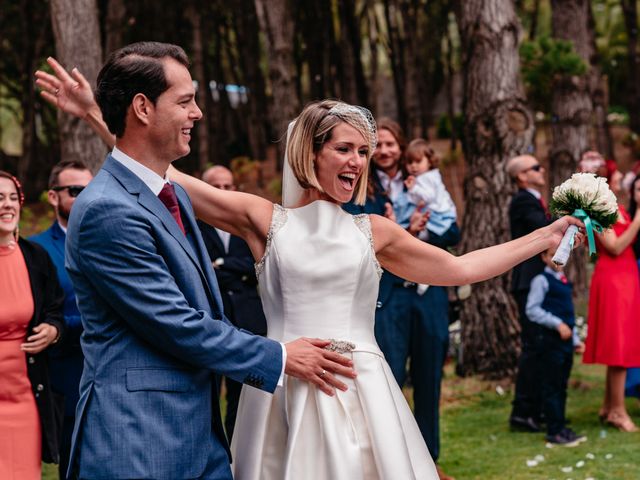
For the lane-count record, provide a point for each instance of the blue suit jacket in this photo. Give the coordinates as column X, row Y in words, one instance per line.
column 65, row 358
column 153, row 335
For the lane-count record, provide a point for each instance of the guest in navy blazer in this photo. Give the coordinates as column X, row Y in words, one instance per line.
column 527, row 212
column 66, row 181
column 233, row 264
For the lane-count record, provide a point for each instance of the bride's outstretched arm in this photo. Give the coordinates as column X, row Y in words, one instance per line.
column 71, row 93
column 241, row 214
column 409, row 258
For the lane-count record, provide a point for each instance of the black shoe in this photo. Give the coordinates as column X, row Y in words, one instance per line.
column 527, row 424
column 566, row 438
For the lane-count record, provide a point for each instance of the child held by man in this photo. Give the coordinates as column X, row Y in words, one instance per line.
column 425, row 187
column 550, row 309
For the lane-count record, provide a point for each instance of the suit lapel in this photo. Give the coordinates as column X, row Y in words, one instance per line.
column 58, row 238
column 135, row 186
column 211, row 284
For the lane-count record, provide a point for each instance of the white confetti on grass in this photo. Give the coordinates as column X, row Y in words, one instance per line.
column 539, row 458
column 590, row 456
column 580, row 464
column 531, row 463
column 567, row 469
column 608, row 456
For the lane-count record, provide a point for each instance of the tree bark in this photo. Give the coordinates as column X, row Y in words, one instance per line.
column 77, row 39
column 498, row 126
column 276, row 22
column 630, row 10
column 202, row 129
column 572, row 111
column 115, row 25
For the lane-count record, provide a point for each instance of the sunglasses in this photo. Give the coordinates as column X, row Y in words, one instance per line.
column 74, row 190
column 535, row 168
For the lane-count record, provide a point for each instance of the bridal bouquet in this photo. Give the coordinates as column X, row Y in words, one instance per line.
column 587, row 197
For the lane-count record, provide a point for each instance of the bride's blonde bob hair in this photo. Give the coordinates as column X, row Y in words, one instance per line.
column 312, row 129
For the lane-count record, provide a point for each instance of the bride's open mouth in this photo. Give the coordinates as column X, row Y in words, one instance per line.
column 347, row 180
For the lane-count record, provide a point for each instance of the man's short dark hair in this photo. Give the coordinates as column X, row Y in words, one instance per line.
column 136, row 68
column 60, row 167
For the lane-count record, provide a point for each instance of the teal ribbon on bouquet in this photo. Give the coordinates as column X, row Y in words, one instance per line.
column 590, row 226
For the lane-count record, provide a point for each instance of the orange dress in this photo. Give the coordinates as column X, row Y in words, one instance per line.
column 613, row 334
column 20, row 442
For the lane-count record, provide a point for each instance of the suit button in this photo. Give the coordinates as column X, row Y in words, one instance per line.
column 378, row 304
column 32, row 360
column 40, row 387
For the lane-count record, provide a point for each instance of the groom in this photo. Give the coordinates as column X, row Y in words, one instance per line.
column 154, row 332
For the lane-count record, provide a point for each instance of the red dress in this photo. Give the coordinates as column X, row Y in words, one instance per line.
column 613, row 335
column 20, row 443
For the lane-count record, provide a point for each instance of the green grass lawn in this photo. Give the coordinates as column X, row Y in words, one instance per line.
column 477, row 443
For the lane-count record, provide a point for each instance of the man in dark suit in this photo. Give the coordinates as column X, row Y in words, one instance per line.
column 66, row 181
column 233, row 264
column 527, row 212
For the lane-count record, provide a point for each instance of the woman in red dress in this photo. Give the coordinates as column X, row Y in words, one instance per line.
column 613, row 336
column 30, row 321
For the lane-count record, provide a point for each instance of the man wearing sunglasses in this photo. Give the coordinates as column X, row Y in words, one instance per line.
column 527, row 212
column 66, row 181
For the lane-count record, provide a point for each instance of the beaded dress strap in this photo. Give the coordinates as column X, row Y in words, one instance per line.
column 278, row 219
column 363, row 222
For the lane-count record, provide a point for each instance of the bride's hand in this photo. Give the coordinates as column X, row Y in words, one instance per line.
column 557, row 229
column 308, row 360
column 71, row 93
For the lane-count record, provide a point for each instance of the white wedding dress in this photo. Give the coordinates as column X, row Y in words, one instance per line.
column 319, row 278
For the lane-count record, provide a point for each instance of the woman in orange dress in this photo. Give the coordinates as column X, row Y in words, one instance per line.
column 613, row 336
column 30, row 321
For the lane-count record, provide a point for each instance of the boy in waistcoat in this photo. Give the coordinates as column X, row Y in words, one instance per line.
column 550, row 308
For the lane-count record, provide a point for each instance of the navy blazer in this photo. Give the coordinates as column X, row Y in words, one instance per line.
column 237, row 280
column 66, row 357
column 154, row 333
column 526, row 214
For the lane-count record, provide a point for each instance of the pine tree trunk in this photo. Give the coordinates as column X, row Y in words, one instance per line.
column 77, row 37
column 498, row 126
column 572, row 111
column 276, row 22
column 630, row 10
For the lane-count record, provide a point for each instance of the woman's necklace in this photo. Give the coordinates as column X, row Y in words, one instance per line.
column 8, row 247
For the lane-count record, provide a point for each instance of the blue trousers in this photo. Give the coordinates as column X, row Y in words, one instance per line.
column 415, row 327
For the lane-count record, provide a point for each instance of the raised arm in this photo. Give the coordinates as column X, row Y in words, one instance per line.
column 409, row 258
column 615, row 244
column 72, row 94
column 241, row 214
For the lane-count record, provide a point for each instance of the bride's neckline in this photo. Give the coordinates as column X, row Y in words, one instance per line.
column 316, row 201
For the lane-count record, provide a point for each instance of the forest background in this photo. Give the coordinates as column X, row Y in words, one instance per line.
column 483, row 80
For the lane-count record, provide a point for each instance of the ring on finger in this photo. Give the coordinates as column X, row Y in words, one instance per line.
column 323, row 373
column 57, row 91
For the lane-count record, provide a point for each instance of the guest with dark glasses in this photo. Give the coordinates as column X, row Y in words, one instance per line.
column 66, row 181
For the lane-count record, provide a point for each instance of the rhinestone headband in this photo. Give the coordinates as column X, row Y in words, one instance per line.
column 360, row 118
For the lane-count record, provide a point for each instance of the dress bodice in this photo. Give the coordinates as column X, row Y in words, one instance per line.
column 319, row 275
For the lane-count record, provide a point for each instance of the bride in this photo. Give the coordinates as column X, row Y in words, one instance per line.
column 318, row 269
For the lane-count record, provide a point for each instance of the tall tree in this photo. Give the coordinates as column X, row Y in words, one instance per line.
column 277, row 26
column 630, row 10
column 498, row 125
column 77, row 39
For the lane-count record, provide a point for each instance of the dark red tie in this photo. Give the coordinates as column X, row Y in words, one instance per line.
column 168, row 196
column 545, row 208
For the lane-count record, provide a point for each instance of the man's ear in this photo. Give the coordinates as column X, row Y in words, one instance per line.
column 52, row 197
column 141, row 108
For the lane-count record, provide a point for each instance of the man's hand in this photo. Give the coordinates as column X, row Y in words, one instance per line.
column 390, row 214
column 580, row 348
column 308, row 360
column 564, row 331
column 44, row 335
column 409, row 182
column 418, row 220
